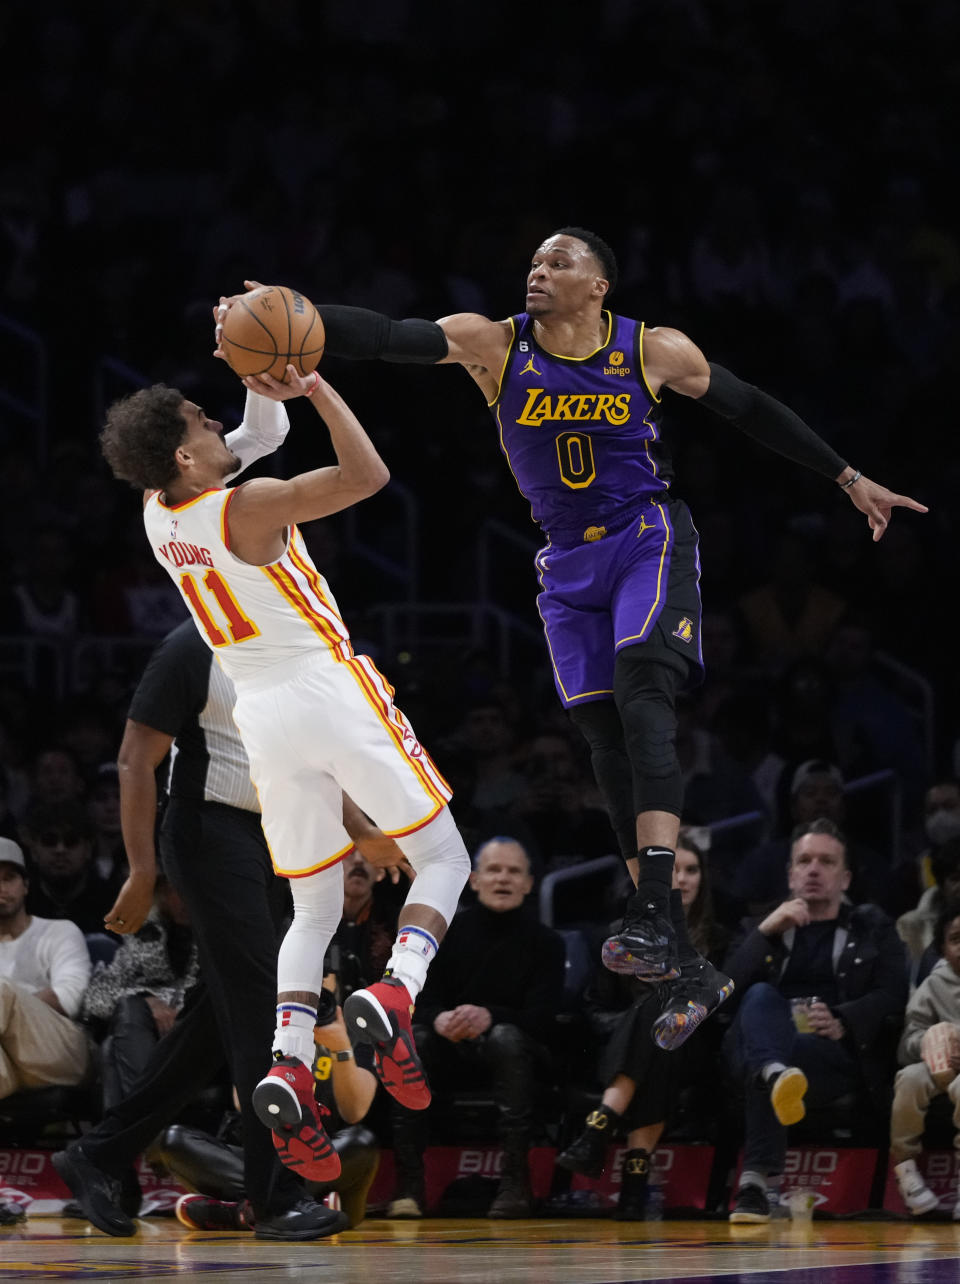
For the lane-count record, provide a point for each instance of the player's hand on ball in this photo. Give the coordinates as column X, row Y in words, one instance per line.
column 220, row 311
column 293, row 385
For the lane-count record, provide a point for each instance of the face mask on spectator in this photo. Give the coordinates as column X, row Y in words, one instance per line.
column 942, row 825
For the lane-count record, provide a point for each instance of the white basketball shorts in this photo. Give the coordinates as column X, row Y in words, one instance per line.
column 316, row 726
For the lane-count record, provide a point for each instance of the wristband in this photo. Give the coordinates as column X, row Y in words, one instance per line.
column 345, row 1054
column 855, row 478
column 316, row 385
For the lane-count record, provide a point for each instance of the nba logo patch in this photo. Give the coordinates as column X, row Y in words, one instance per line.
column 684, row 630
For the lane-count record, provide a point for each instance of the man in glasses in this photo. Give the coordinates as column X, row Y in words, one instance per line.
column 65, row 882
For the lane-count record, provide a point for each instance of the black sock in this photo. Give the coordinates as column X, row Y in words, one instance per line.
column 636, row 1164
column 685, row 947
column 603, row 1119
column 656, row 876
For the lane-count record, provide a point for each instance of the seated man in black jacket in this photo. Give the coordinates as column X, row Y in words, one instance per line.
column 818, row 978
column 484, row 1014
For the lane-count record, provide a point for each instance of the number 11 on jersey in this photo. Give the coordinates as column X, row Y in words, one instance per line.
column 240, row 627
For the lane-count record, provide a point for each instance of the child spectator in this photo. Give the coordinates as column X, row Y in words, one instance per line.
column 930, row 1055
column 917, row 926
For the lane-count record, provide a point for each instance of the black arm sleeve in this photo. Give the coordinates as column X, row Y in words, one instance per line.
column 770, row 422
column 365, row 336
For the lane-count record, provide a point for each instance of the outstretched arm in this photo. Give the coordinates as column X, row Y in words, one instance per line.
column 465, row 338
column 262, row 508
column 673, row 361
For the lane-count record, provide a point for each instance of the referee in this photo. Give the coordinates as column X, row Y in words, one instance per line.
column 213, row 851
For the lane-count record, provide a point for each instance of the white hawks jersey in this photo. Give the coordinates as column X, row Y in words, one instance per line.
column 252, row 617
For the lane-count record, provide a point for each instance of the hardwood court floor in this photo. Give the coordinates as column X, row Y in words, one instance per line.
column 482, row 1252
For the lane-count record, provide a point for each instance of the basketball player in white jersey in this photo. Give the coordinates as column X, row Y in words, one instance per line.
column 316, row 721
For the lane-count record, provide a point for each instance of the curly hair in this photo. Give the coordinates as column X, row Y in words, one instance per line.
column 600, row 250
column 142, row 433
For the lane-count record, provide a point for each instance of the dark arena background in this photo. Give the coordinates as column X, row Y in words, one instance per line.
column 777, row 181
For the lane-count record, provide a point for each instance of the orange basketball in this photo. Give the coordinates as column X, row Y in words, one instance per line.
column 270, row 328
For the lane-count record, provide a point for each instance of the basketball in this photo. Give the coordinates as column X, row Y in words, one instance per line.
column 270, row 328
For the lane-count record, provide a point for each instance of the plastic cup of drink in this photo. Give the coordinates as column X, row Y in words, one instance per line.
column 800, row 1011
column 800, row 1203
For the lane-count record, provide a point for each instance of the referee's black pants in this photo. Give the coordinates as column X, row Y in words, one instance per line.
column 217, row 859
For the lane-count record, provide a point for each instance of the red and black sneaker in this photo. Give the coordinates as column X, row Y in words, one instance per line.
column 201, row 1213
column 380, row 1015
column 285, row 1103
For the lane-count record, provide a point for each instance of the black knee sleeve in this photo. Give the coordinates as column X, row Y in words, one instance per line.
column 599, row 723
column 645, row 692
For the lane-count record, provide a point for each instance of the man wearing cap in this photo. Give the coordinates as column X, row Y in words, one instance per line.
column 817, row 981
column 44, row 970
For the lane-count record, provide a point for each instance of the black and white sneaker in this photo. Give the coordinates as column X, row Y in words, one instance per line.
column 752, row 1205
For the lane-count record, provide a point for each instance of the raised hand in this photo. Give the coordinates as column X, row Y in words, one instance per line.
column 878, row 503
column 792, row 913
column 293, row 385
column 220, row 311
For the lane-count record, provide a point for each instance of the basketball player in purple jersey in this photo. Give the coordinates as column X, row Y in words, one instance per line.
column 576, row 393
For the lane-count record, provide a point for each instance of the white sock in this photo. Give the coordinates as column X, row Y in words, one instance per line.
column 750, row 1178
column 770, row 1069
column 412, row 952
column 294, row 1037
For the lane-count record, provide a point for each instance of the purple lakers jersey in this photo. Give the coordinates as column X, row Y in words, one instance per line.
column 581, row 434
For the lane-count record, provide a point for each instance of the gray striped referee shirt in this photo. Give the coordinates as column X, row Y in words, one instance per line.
column 185, row 694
